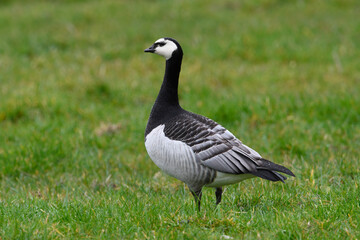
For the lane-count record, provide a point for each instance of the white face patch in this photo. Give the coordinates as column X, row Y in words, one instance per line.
column 165, row 50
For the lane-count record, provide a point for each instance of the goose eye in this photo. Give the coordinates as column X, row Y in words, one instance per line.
column 161, row 44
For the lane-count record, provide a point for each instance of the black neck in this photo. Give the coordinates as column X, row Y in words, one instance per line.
column 169, row 89
column 167, row 102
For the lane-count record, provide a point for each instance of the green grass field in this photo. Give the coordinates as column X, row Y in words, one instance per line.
column 76, row 90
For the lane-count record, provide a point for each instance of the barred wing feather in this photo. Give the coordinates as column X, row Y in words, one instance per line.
column 213, row 145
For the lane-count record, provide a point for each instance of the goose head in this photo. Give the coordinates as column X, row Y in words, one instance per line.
column 166, row 47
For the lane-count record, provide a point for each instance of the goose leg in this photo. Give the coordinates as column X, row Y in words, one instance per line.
column 197, row 196
column 218, row 194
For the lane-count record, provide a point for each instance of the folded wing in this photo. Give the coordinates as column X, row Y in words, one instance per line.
column 217, row 148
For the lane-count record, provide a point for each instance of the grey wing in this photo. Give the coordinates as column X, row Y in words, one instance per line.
column 222, row 151
column 213, row 145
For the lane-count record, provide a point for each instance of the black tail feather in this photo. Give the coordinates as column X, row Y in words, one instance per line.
column 269, row 175
column 266, row 164
column 269, row 170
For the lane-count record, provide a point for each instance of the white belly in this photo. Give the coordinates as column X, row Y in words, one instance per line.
column 173, row 157
column 223, row 179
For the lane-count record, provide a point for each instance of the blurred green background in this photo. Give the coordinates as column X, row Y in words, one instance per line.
column 76, row 90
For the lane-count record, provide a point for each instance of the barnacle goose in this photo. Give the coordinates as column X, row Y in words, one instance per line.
column 193, row 148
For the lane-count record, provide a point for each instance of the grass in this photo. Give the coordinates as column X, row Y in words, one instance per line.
column 76, row 91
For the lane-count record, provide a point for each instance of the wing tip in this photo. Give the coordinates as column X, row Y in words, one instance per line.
column 268, row 165
column 269, row 175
